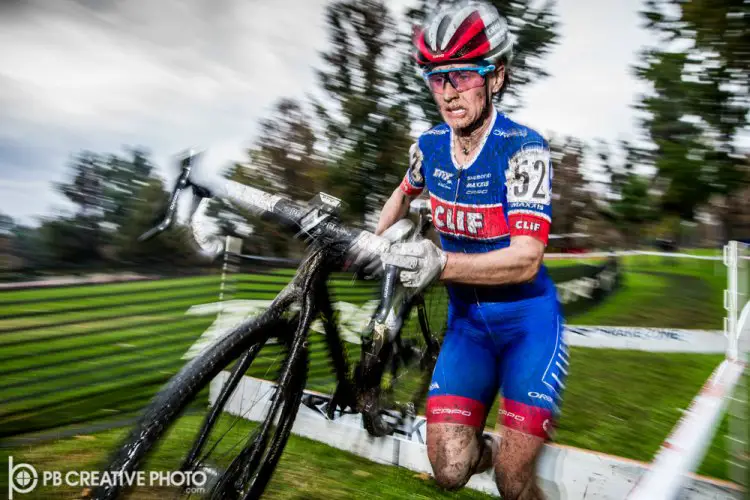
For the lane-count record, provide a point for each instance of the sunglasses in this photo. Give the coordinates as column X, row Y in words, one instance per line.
column 462, row 79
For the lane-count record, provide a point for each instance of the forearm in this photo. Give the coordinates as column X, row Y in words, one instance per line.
column 518, row 263
column 393, row 211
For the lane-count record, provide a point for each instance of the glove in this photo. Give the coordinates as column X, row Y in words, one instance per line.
column 369, row 264
column 363, row 255
column 421, row 262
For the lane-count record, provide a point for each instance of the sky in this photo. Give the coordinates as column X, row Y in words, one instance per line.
column 173, row 74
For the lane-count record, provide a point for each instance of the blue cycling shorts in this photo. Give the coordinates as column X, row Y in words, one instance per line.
column 516, row 348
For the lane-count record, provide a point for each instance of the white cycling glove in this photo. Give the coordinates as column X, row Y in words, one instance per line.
column 421, row 262
column 366, row 250
column 364, row 254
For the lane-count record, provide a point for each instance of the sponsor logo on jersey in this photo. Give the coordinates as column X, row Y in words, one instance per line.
column 539, row 395
column 451, row 411
column 517, row 418
column 524, row 225
column 437, row 131
column 529, row 222
column 481, row 222
column 514, row 132
column 434, row 385
column 478, row 177
column 442, row 174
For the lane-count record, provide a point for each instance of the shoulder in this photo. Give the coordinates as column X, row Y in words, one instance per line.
column 434, row 135
column 517, row 138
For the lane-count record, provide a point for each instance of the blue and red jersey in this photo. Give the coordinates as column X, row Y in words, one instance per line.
column 504, row 192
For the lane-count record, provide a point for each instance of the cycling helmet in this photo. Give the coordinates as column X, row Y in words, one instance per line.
column 464, row 32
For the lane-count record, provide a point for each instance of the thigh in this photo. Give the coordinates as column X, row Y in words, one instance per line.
column 463, row 387
column 533, row 371
column 464, row 381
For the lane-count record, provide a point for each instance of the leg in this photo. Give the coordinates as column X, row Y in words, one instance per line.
column 533, row 371
column 515, row 465
column 456, row 452
column 460, row 396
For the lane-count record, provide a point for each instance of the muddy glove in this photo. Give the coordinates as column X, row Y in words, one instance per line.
column 421, row 262
column 363, row 255
column 369, row 266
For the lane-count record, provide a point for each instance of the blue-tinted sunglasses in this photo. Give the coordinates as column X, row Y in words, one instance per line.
column 463, row 78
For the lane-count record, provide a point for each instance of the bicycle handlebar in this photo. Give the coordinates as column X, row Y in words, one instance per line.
column 268, row 206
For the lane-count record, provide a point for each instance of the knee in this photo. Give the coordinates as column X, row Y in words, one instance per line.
column 451, row 470
column 451, row 476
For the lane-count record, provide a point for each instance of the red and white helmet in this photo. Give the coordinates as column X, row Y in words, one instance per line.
column 465, row 32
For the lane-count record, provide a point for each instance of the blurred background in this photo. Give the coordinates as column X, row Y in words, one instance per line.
column 645, row 104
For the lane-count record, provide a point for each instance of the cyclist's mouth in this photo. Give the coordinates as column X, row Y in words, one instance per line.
column 457, row 112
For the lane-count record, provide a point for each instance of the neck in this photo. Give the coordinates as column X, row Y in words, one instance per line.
column 478, row 128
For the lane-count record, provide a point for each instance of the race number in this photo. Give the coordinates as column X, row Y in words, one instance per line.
column 528, row 178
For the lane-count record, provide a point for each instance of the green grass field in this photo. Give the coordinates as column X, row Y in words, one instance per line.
column 63, row 365
column 307, row 470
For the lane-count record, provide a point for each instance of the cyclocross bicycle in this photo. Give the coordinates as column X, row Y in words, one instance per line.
column 275, row 346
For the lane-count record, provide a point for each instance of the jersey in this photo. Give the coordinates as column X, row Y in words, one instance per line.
column 504, row 192
column 506, row 337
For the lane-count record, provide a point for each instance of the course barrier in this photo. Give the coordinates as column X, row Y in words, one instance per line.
column 563, row 472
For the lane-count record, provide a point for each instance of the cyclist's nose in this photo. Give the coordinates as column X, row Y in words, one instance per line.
column 449, row 92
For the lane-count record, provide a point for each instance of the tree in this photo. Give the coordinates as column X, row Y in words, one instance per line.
column 85, row 188
column 572, row 201
column 282, row 161
column 104, row 188
column 628, row 202
column 698, row 101
column 534, row 25
column 71, row 241
column 171, row 247
column 367, row 124
column 6, row 241
column 29, row 249
column 124, row 178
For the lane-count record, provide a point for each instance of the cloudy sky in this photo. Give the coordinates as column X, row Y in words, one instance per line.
column 168, row 74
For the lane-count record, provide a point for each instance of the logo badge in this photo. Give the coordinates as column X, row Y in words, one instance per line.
column 22, row 478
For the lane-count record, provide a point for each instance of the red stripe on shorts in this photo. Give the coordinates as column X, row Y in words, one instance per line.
column 527, row 419
column 455, row 410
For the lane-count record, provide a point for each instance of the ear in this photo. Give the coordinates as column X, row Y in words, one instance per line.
column 498, row 77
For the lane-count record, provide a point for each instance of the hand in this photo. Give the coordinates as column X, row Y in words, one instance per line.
column 363, row 255
column 370, row 265
column 421, row 262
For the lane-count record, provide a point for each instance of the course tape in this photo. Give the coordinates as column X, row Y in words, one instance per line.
column 686, row 445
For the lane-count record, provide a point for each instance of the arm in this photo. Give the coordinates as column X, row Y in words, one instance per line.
column 395, row 209
column 518, row 263
column 529, row 187
column 397, row 206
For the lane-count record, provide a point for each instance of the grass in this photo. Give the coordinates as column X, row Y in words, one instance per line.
column 663, row 292
column 307, row 470
column 617, row 402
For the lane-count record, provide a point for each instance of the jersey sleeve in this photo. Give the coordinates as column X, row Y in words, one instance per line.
column 529, row 191
column 413, row 182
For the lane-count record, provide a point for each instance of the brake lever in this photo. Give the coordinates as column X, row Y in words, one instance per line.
column 180, row 185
